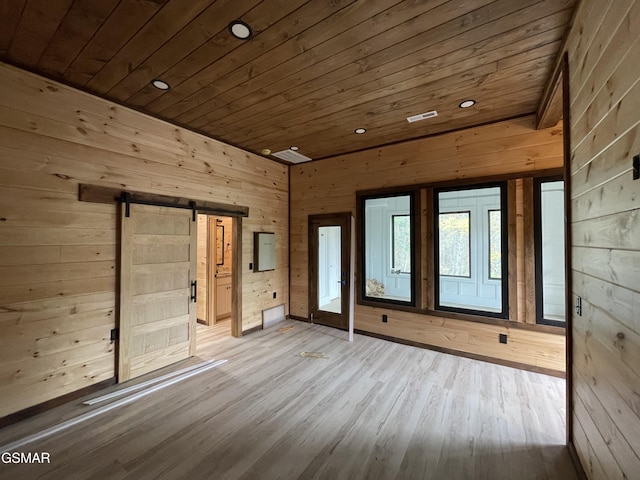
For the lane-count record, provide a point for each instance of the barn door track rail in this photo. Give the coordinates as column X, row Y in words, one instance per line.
column 99, row 194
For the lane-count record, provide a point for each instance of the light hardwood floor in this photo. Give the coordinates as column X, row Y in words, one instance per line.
column 372, row 410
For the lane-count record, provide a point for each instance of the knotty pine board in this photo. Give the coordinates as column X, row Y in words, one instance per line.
column 58, row 255
column 603, row 51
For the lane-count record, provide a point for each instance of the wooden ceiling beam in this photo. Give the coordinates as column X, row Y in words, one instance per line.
column 549, row 111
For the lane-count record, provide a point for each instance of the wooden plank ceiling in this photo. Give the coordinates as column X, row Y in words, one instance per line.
column 312, row 72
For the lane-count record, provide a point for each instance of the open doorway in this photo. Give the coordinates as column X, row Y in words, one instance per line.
column 215, row 252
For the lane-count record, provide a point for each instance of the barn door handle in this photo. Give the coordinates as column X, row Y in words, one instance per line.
column 194, row 291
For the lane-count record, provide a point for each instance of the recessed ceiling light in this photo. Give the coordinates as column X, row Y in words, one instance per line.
column 467, row 104
column 240, row 30
column 360, row 131
column 160, row 84
column 294, row 148
column 265, row 151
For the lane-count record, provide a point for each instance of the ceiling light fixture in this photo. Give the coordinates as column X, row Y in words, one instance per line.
column 291, row 156
column 240, row 29
column 160, row 84
column 360, row 131
column 467, row 104
column 294, row 148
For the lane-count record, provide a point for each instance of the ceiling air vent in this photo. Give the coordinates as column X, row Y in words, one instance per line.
column 291, row 156
column 422, row 116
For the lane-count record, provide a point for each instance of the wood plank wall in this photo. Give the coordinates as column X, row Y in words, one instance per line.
column 604, row 65
column 330, row 185
column 58, row 255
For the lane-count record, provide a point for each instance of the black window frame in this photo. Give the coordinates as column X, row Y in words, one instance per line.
column 489, row 243
column 414, row 221
column 537, row 248
column 504, row 314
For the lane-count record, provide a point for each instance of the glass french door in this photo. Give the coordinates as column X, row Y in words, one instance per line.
column 329, row 270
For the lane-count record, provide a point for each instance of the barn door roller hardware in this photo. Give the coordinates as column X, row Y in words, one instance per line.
column 125, row 197
column 128, row 198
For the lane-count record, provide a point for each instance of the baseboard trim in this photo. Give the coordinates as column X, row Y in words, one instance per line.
column 300, row 319
column 251, row 330
column 54, row 402
column 582, row 475
column 460, row 353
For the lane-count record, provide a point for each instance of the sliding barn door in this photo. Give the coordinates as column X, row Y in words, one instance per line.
column 157, row 267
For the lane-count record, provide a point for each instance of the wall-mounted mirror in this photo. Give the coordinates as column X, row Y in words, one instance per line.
column 264, row 251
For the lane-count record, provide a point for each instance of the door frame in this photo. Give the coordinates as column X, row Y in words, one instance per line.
column 236, row 272
column 344, row 220
column 566, row 138
column 211, row 267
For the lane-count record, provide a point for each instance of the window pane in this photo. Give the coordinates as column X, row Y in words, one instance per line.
column 388, row 228
column 470, row 267
column 454, row 229
column 552, row 235
column 329, row 264
column 495, row 253
column 401, row 244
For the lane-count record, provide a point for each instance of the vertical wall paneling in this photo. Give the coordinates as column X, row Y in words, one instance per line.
column 57, row 255
column 529, row 253
column 603, row 49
